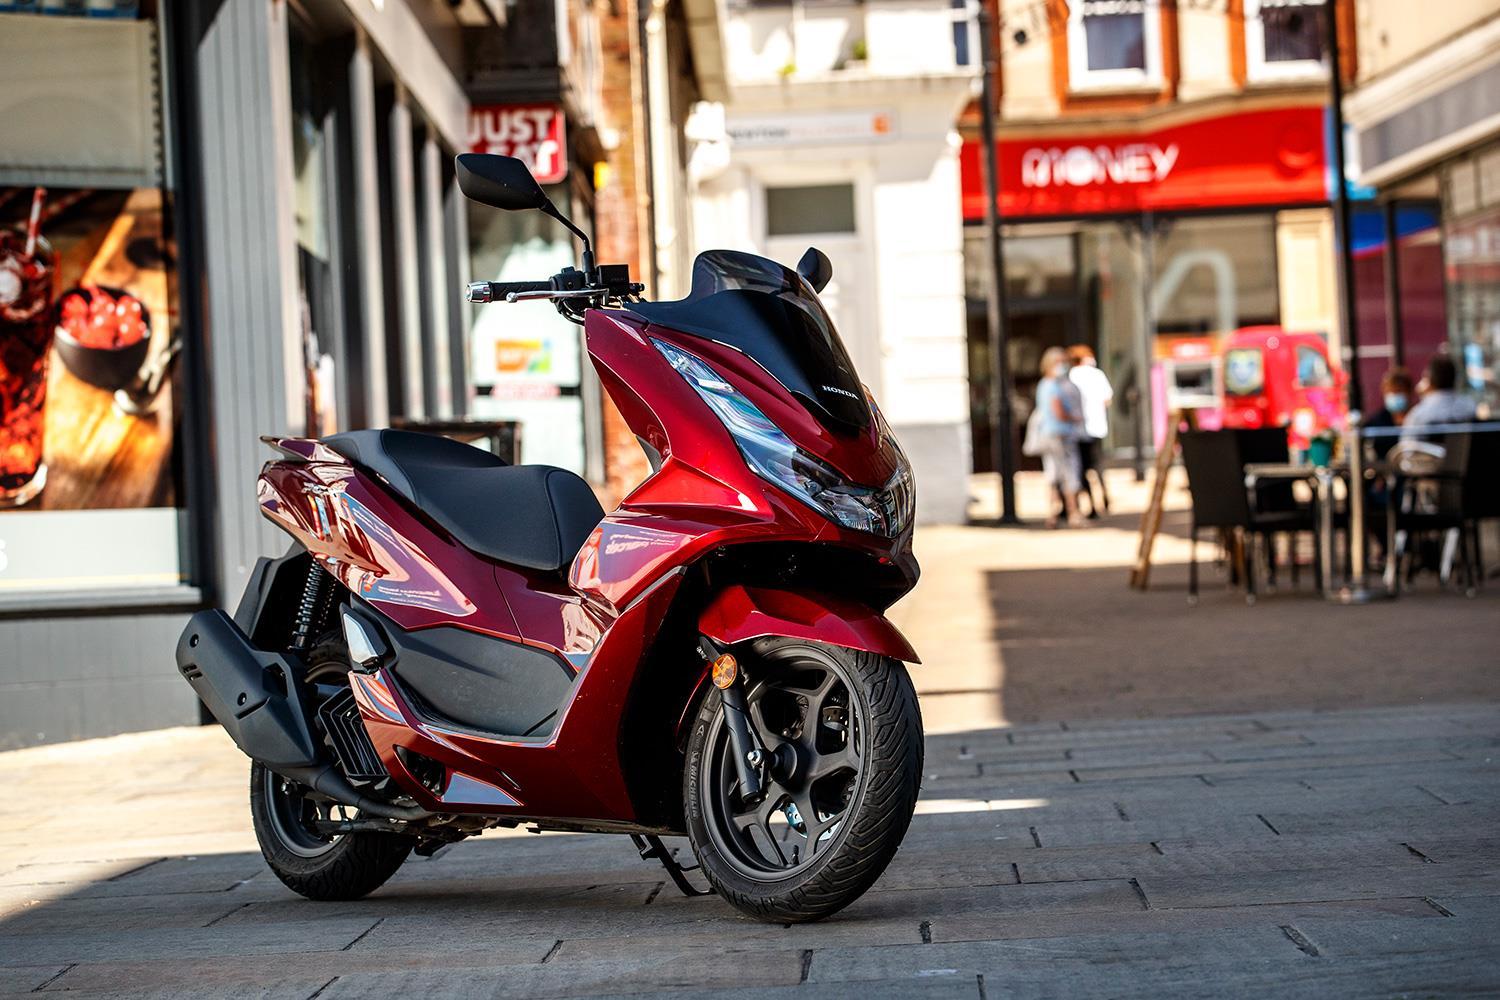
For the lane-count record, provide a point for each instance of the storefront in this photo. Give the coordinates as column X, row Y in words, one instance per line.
column 527, row 362
column 1150, row 242
column 1471, row 244
column 1428, row 129
column 239, row 221
column 103, row 515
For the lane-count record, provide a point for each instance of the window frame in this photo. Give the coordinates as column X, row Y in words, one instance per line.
column 1259, row 69
column 1082, row 79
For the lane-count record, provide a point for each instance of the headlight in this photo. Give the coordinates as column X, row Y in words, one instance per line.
column 772, row 455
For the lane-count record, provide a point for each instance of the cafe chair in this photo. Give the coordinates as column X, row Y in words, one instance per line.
column 1481, row 497
column 1215, row 465
column 1268, row 445
column 1444, row 488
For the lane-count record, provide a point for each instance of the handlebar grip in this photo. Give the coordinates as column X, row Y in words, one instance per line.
column 496, row 291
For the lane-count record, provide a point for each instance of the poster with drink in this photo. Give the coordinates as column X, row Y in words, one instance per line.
column 88, row 352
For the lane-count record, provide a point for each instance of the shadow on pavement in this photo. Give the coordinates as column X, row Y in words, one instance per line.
column 1078, row 643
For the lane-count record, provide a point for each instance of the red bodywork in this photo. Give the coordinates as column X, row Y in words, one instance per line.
column 1273, row 378
column 607, row 613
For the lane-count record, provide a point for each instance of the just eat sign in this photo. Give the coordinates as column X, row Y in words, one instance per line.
column 532, row 133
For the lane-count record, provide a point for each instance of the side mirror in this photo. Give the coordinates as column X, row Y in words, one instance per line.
column 816, row 268
column 499, row 182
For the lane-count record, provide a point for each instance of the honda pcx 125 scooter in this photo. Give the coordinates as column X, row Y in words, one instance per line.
column 453, row 643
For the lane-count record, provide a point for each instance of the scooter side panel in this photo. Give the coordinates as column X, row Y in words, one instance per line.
column 573, row 774
column 416, row 574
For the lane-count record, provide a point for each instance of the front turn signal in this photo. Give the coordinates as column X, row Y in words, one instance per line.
column 725, row 670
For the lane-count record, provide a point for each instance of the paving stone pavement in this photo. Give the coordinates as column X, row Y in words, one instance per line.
column 1339, row 853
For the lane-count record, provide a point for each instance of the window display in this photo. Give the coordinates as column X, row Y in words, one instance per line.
column 89, row 329
column 1471, row 255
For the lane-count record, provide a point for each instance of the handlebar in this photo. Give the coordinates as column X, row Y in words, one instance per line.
column 496, row 291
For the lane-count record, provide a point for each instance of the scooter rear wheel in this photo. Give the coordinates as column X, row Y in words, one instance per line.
column 315, row 865
column 843, row 739
column 307, row 860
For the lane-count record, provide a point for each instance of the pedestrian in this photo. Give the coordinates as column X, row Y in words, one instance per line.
column 1441, row 403
column 1093, row 385
column 1053, row 431
column 1396, row 392
column 1396, row 397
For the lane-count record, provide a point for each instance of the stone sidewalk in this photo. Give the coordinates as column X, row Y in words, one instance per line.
column 1123, row 797
column 1348, row 853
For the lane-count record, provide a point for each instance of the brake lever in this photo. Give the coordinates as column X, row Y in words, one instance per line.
column 576, row 293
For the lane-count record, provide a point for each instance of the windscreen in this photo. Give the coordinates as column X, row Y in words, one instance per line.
column 770, row 313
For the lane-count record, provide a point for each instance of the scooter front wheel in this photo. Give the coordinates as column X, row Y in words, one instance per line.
column 842, row 764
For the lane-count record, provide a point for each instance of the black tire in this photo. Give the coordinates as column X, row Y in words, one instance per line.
column 315, row 865
column 848, row 844
column 347, row 866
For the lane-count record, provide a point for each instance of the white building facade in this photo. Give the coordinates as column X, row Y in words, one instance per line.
column 840, row 134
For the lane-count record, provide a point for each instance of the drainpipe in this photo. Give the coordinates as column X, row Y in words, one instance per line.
column 649, row 14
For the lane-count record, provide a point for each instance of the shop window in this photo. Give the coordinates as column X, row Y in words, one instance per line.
column 800, row 211
column 1214, row 275
column 526, row 361
column 91, row 382
column 314, row 177
column 1284, row 38
column 1471, row 245
column 1041, row 266
column 1113, row 43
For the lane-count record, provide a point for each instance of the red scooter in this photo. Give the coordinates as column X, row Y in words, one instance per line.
column 453, row 643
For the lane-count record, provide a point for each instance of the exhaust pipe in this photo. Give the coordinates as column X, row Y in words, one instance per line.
column 326, row 778
column 255, row 696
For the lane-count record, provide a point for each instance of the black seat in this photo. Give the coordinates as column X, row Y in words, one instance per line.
column 535, row 516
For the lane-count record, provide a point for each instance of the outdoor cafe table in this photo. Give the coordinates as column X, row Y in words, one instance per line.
column 1321, row 478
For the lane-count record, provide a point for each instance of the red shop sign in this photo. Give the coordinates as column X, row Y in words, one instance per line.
column 1273, row 157
column 533, row 133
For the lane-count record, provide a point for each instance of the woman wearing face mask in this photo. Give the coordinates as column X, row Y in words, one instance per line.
column 1059, row 425
column 1396, row 394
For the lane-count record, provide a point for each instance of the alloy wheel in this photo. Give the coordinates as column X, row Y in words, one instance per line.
column 803, row 714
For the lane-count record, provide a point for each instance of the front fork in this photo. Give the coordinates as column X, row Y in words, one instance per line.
column 749, row 755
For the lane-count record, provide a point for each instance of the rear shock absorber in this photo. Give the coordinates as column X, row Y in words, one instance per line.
column 312, row 612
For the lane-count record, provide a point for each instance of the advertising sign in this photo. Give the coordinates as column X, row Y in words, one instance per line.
column 89, row 343
column 1270, row 157
column 532, row 133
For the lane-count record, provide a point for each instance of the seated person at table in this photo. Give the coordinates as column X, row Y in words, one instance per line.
column 1440, row 403
column 1395, row 394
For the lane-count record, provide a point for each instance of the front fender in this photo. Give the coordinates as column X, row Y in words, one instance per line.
column 741, row 613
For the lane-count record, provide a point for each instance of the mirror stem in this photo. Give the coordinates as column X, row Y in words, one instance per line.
column 588, row 247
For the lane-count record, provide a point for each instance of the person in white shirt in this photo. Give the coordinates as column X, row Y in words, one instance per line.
column 1440, row 404
column 1093, row 385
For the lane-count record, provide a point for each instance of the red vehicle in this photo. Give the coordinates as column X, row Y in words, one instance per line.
column 453, row 643
column 1273, row 378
